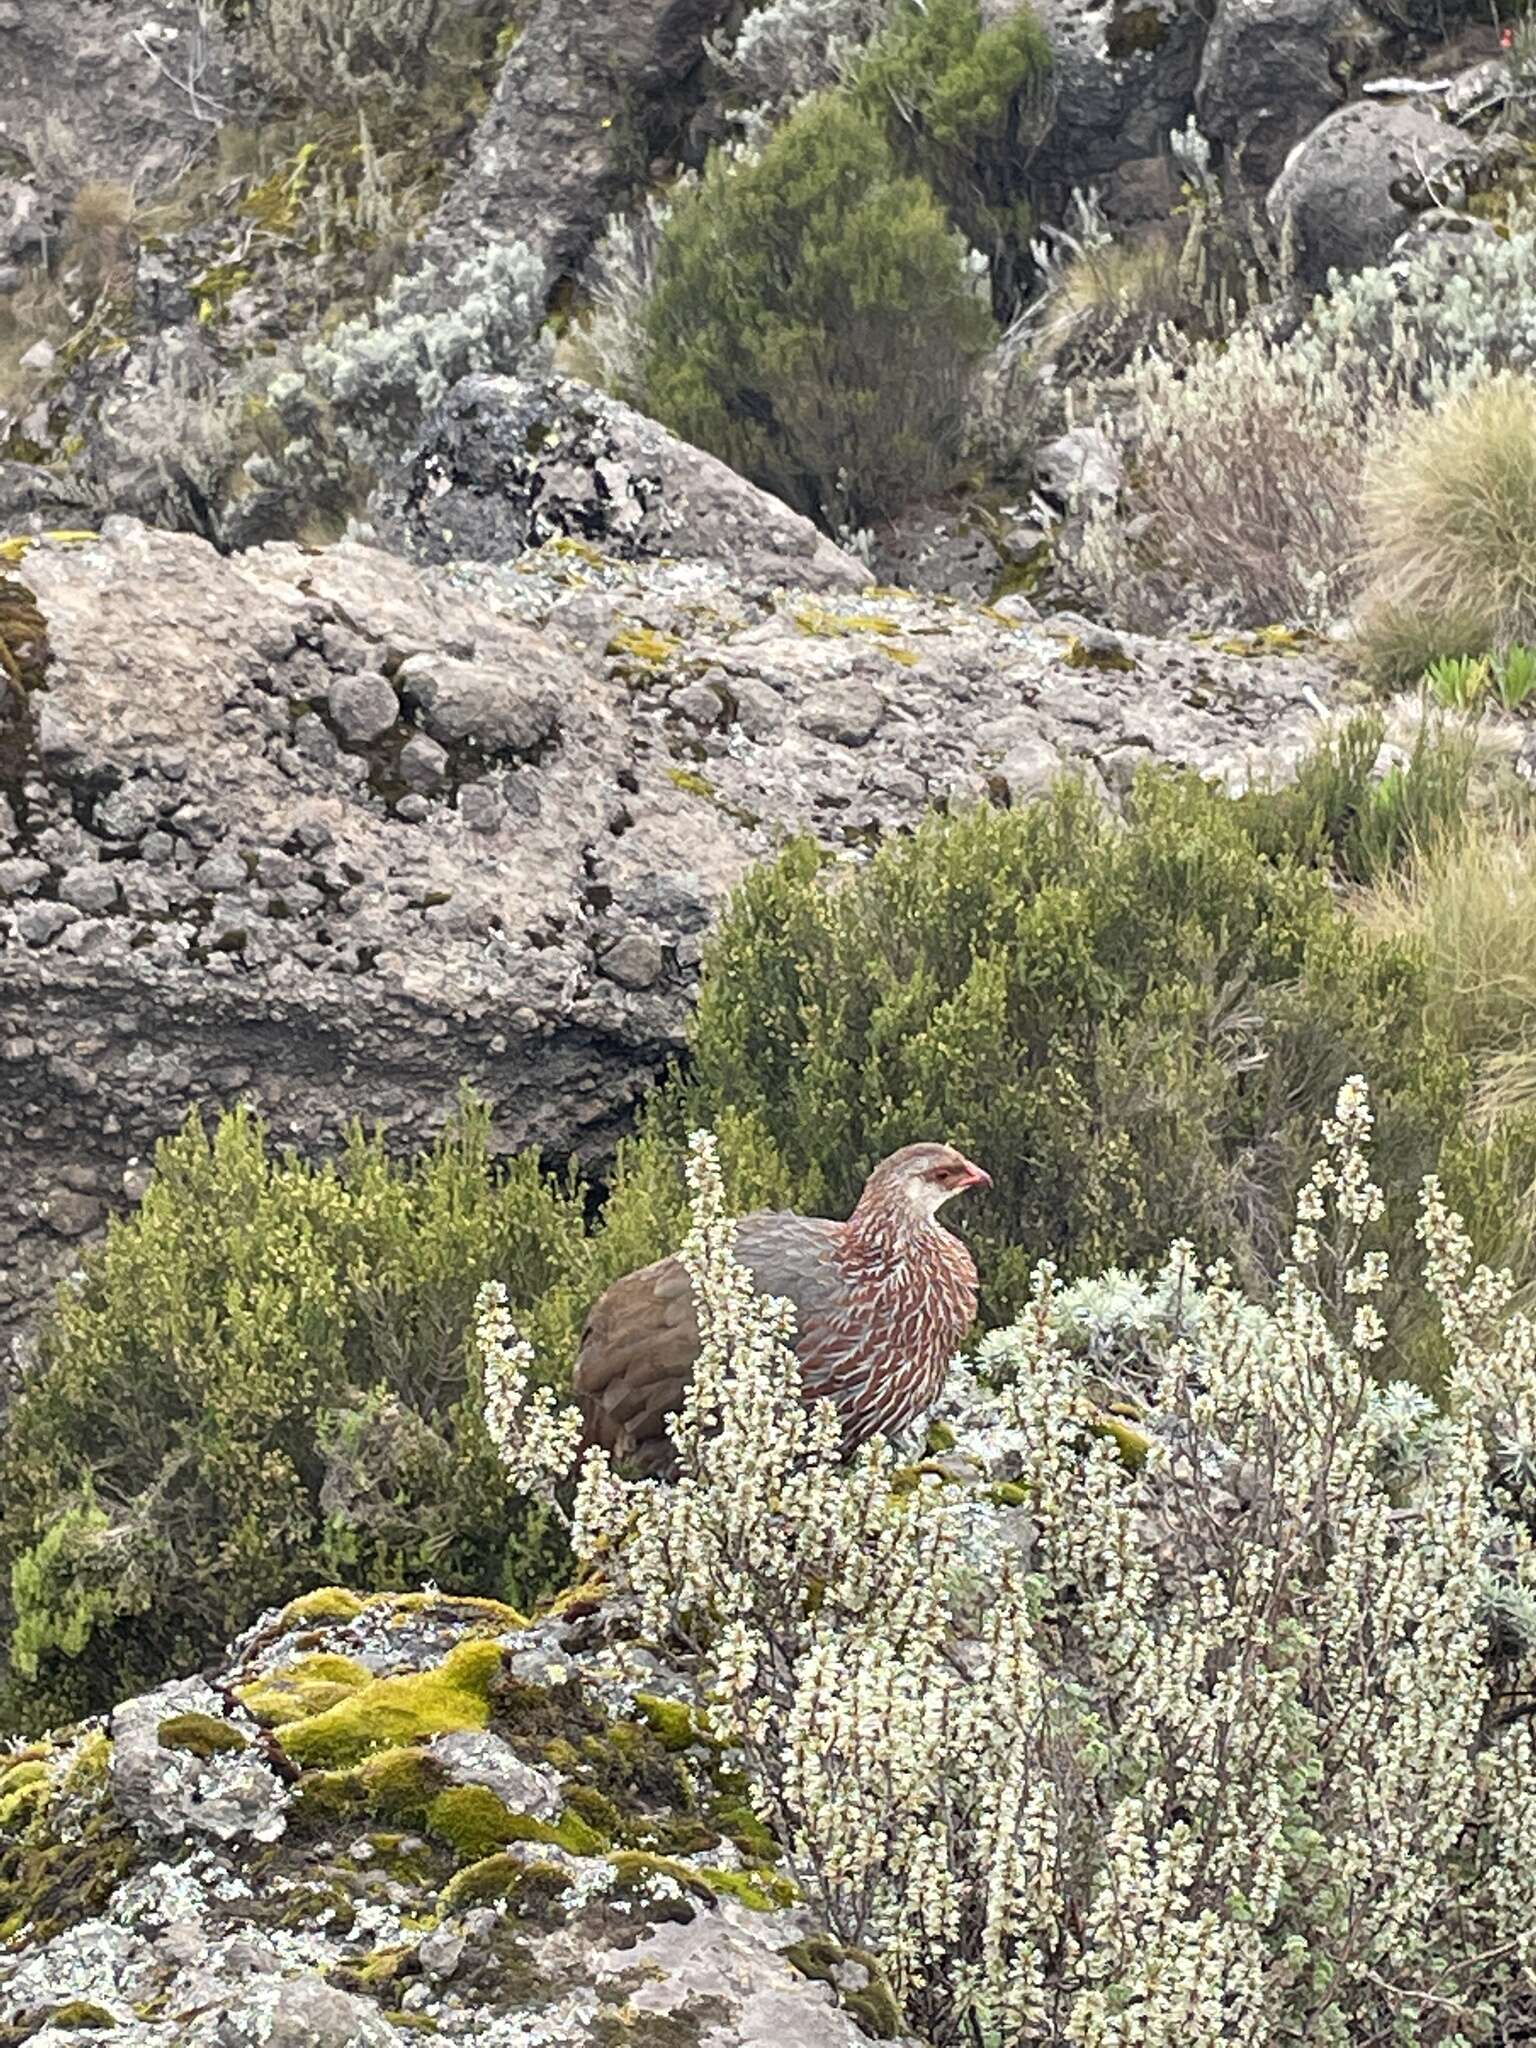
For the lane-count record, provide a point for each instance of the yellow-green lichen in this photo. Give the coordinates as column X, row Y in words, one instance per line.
column 1111, row 660
column 204, row 1735
column 24, row 1791
column 645, row 645
column 390, row 1711
column 301, row 1690
column 80, row 2013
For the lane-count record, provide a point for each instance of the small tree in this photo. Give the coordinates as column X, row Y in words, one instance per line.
column 815, row 321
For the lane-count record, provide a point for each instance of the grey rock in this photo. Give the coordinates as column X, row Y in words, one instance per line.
column 492, row 709
column 92, row 888
column 470, row 1757
column 220, row 872
column 636, row 961
column 1350, row 187
column 423, row 763
column 1271, row 72
column 440, row 1952
column 1080, row 469
column 170, row 1793
column 21, row 876
column 39, row 358
column 699, row 704
column 362, row 707
column 38, row 923
column 413, row 808
column 302, row 2012
column 508, row 463
column 1121, row 81
column 546, row 164
column 480, row 807
column 758, row 710
column 850, row 714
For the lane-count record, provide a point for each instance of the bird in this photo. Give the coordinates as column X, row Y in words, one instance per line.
column 882, row 1303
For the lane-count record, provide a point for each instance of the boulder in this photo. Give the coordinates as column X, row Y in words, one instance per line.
column 222, row 879
column 507, row 463
column 1272, row 69
column 1350, row 187
column 1124, row 76
column 553, row 157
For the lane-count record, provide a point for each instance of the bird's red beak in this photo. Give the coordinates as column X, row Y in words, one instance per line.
column 977, row 1176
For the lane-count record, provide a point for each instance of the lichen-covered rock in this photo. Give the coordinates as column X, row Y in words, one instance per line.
column 1270, row 73
column 586, row 1862
column 1353, row 184
column 507, row 463
column 181, row 1767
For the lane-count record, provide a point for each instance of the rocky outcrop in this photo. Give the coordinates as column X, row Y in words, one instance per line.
column 588, row 93
column 332, row 833
column 509, row 463
column 299, row 1851
column 108, row 91
column 1351, row 186
column 1269, row 74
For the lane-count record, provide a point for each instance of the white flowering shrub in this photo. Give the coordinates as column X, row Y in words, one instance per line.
column 1228, row 1744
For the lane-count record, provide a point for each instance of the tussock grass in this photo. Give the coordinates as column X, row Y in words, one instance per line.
column 1449, row 531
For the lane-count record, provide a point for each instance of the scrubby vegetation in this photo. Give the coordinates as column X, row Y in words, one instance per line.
column 261, row 1383
column 1230, row 1748
column 814, row 320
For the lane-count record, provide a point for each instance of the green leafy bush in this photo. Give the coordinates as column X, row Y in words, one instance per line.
column 815, row 322
column 1135, row 1030
column 260, row 1386
column 964, row 106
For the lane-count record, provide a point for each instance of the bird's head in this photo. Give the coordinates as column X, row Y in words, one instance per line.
column 923, row 1178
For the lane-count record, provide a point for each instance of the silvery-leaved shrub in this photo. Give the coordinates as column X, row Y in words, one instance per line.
column 1246, row 456
column 787, row 50
column 1226, row 1747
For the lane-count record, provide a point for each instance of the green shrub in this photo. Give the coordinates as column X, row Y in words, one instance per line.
column 815, row 321
column 1450, row 532
column 1135, row 1030
column 964, row 107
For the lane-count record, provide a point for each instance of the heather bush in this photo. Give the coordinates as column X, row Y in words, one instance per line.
column 1134, row 1027
column 1217, row 1746
column 260, row 1385
column 1450, row 531
column 814, row 321
column 964, row 105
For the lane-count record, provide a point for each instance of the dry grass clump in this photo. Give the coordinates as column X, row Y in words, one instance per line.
column 1449, row 529
column 1469, row 903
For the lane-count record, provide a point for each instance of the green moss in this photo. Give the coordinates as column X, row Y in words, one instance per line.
column 874, row 2009
column 598, row 1812
column 750, row 1833
column 1110, row 660
column 472, row 1821
column 80, row 2012
column 533, row 1887
column 325, row 1603
column 25, row 1789
column 389, row 1711
column 1007, row 1493
column 762, row 1891
column 941, row 1438
column 677, row 1725
column 396, row 1785
column 204, row 1735
column 300, row 1691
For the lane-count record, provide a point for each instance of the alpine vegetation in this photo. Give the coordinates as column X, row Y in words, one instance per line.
column 1209, row 1729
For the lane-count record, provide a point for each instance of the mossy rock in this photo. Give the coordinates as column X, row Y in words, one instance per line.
column 762, row 1891
column 394, row 1785
column 324, row 1604
column 873, row 2009
column 204, row 1735
column 388, row 1712
column 533, row 1889
column 676, row 1724
column 80, row 2014
column 300, row 1691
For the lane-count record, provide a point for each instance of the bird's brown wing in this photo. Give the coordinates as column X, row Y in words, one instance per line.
column 642, row 1335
